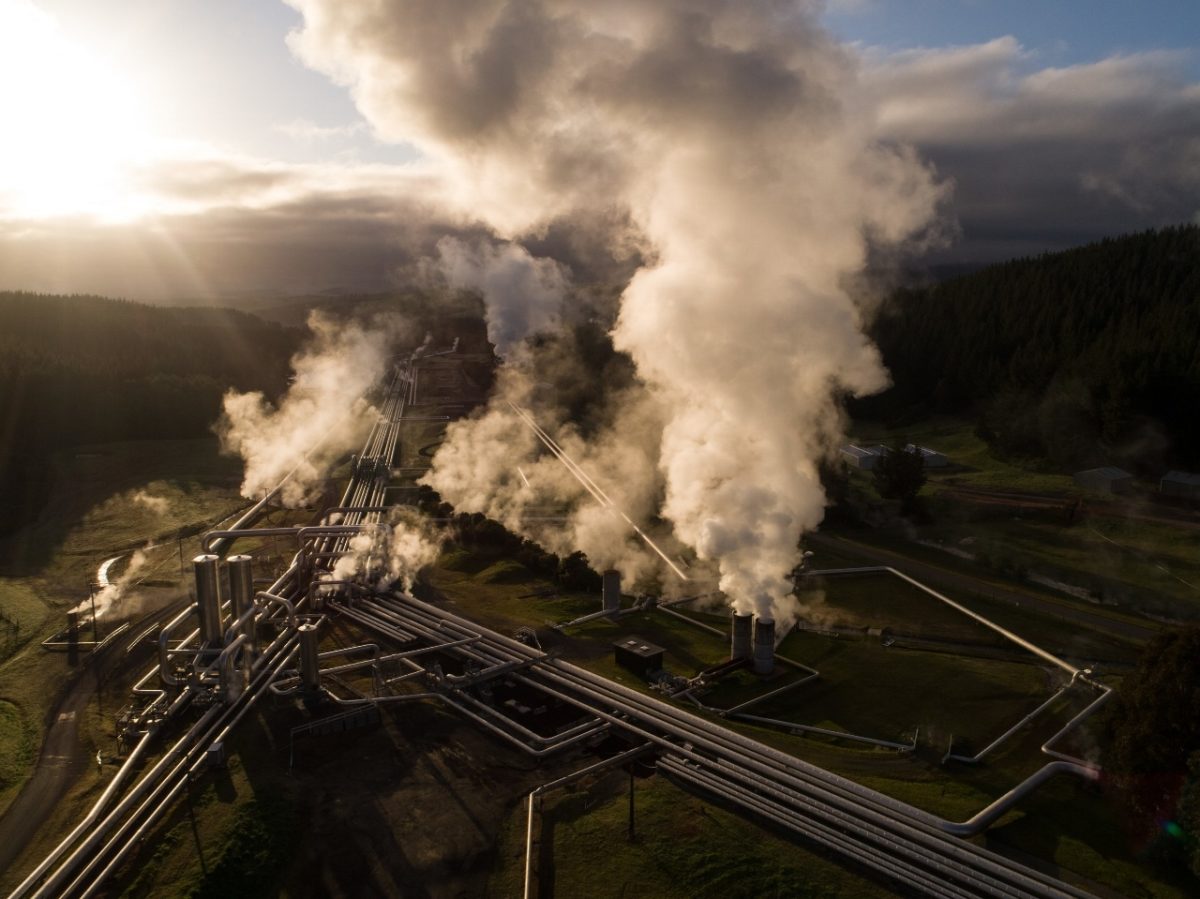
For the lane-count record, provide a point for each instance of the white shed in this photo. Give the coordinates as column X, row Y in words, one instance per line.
column 931, row 457
column 861, row 457
column 1105, row 480
column 1180, row 483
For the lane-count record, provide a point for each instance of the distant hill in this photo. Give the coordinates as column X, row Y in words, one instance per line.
column 1081, row 357
column 85, row 369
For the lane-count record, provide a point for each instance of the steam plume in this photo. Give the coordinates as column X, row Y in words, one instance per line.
column 321, row 417
column 112, row 592
column 524, row 295
column 391, row 554
column 729, row 134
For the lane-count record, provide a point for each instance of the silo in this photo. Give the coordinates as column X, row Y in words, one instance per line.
column 310, row 669
column 743, row 629
column 612, row 590
column 208, row 598
column 764, row 646
column 241, row 596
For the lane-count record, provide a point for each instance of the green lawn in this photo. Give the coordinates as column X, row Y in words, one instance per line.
column 976, row 466
column 684, row 847
column 868, row 689
column 105, row 499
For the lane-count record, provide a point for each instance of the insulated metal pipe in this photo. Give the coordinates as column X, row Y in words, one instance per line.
column 208, row 598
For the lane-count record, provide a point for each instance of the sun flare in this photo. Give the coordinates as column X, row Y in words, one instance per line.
column 75, row 130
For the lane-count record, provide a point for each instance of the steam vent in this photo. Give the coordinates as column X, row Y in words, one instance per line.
column 612, row 590
column 743, row 629
column 764, row 646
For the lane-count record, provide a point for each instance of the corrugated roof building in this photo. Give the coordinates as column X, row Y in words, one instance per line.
column 1105, row 480
column 1180, row 483
column 862, row 457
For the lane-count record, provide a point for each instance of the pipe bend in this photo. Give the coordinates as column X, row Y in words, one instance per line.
column 275, row 599
column 987, row 816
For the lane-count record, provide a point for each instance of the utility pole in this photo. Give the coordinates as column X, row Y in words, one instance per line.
column 631, row 829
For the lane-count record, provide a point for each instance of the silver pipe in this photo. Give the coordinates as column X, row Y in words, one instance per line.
column 841, row 735
column 978, row 757
column 561, row 782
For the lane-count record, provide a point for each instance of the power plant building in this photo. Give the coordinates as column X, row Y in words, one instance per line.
column 1180, row 483
column 931, row 457
column 639, row 656
column 865, row 458
column 861, row 457
column 1105, row 480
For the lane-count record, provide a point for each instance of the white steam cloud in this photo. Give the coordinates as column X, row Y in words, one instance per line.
column 391, row 554
column 322, row 416
column 731, row 137
column 494, row 464
column 157, row 505
column 113, row 592
column 524, row 295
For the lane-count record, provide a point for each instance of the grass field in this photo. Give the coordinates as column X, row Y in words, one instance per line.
column 684, row 847
column 1055, row 632
column 92, row 513
column 975, row 464
column 1113, row 554
column 864, row 688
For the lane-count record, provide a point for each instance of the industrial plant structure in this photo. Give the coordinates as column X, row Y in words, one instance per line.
column 236, row 645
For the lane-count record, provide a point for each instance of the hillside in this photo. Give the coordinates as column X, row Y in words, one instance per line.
column 84, row 369
column 1082, row 357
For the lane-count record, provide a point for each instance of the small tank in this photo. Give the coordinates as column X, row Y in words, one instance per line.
column 742, row 638
column 310, row 668
column 764, row 646
column 611, row 590
column 241, row 597
column 208, row 598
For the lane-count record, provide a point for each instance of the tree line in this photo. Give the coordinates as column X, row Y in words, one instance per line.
column 84, row 369
column 1083, row 357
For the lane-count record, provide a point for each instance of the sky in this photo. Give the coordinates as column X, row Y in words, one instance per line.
column 167, row 148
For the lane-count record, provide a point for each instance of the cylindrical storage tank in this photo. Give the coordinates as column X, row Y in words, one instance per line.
column 764, row 646
column 310, row 670
column 208, row 598
column 743, row 634
column 612, row 590
column 241, row 597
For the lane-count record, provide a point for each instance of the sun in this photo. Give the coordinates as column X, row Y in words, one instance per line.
column 74, row 130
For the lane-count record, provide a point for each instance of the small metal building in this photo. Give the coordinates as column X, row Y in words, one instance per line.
column 1105, row 480
column 932, row 458
column 860, row 457
column 640, row 656
column 1180, row 483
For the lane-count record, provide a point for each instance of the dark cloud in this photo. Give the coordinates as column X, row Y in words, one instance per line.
column 1046, row 158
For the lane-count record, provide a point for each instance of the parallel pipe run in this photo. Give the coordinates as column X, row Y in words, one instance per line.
column 624, row 724
column 595, row 694
column 164, row 781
